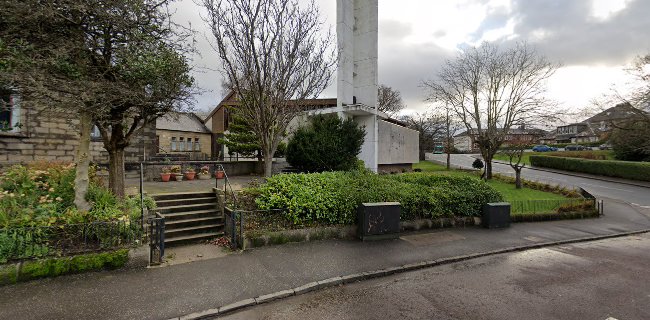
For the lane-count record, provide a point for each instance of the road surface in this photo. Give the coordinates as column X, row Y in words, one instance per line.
column 607, row 279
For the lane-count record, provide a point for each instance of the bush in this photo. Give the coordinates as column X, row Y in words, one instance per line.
column 611, row 168
column 477, row 164
column 43, row 194
column 333, row 197
column 327, row 144
column 632, row 144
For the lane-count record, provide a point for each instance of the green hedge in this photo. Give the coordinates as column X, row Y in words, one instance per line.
column 332, row 197
column 53, row 267
column 611, row 168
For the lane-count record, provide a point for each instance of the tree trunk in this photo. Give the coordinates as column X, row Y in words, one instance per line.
column 518, row 178
column 82, row 162
column 448, row 160
column 488, row 167
column 268, row 164
column 116, row 171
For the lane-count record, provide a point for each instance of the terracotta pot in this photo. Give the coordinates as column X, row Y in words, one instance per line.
column 178, row 176
column 204, row 176
column 219, row 174
column 165, row 177
column 189, row 175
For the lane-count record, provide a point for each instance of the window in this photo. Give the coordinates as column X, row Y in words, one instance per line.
column 197, row 146
column 95, row 134
column 181, row 144
column 173, row 143
column 9, row 112
column 189, row 144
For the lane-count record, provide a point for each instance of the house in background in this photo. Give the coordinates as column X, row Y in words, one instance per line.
column 594, row 129
column 183, row 135
column 464, row 141
column 52, row 135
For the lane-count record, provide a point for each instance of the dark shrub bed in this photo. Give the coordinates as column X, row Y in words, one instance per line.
column 611, row 168
column 332, row 197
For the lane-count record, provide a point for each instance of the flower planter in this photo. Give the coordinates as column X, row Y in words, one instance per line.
column 219, row 174
column 189, row 175
column 204, row 176
column 178, row 176
column 165, row 177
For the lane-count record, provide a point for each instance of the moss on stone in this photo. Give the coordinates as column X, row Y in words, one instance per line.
column 82, row 263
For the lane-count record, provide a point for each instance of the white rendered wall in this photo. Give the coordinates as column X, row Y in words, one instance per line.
column 397, row 144
column 369, row 149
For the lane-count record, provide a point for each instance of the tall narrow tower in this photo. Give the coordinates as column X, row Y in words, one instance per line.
column 357, row 38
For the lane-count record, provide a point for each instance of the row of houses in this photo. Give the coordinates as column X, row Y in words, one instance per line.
column 51, row 135
column 591, row 130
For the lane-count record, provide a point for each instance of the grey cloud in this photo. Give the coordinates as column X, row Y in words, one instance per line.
column 405, row 67
column 573, row 37
column 394, row 29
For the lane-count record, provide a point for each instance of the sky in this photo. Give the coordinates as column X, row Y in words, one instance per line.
column 592, row 40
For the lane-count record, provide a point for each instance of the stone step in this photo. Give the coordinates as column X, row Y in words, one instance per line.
column 195, row 221
column 192, row 238
column 172, row 217
column 181, row 195
column 175, row 231
column 187, row 208
column 188, row 201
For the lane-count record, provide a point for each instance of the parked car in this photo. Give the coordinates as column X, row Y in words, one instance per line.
column 576, row 147
column 543, row 148
column 605, row 146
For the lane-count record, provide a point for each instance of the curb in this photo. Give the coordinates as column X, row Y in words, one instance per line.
column 335, row 281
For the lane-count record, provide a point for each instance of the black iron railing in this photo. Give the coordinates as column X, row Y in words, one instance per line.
column 553, row 206
column 156, row 239
column 69, row 239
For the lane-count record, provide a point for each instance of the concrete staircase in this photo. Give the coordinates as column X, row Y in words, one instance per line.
column 189, row 216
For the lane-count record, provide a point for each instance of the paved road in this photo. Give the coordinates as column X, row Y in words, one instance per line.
column 635, row 195
column 594, row 280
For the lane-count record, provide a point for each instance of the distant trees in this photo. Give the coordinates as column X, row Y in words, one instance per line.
column 631, row 142
column 389, row 101
column 328, row 143
column 271, row 51
column 431, row 129
column 492, row 90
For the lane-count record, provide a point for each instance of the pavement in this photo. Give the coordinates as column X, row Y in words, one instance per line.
column 182, row 289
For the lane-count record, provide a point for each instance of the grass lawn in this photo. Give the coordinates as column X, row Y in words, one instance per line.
column 607, row 154
column 524, row 200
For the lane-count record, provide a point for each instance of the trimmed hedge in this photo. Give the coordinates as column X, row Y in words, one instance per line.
column 54, row 267
column 611, row 168
column 333, row 197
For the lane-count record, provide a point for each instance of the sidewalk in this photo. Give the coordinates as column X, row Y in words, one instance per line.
column 162, row 293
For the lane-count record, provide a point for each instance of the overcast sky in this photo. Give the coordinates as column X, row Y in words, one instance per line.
column 593, row 40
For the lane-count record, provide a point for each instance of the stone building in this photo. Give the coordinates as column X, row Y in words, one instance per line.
column 183, row 134
column 31, row 134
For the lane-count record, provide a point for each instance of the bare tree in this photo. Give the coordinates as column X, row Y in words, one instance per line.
column 452, row 125
column 389, row 101
column 272, row 51
column 431, row 128
column 515, row 154
column 492, row 90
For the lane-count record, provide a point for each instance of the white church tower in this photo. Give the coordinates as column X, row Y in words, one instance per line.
column 357, row 38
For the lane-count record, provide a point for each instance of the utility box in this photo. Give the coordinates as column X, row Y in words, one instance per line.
column 378, row 221
column 496, row 215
